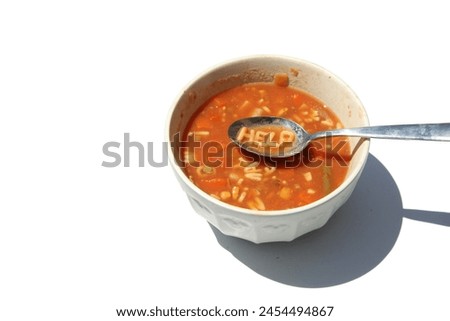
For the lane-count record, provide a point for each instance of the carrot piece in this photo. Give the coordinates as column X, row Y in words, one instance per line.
column 213, row 183
column 281, row 79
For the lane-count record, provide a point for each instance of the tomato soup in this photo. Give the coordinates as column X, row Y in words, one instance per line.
column 221, row 169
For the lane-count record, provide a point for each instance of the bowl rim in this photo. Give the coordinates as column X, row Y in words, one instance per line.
column 266, row 213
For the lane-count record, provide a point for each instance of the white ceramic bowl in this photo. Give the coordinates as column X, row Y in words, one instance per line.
column 280, row 225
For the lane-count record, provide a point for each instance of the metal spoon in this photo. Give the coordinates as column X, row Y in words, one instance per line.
column 433, row 132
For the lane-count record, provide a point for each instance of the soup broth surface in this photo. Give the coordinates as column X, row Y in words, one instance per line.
column 223, row 170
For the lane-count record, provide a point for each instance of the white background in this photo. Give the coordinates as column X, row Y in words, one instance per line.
column 78, row 240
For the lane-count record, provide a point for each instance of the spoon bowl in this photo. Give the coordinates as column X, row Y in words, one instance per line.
column 255, row 134
column 266, row 147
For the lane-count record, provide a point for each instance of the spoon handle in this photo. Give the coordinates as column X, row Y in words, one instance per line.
column 436, row 132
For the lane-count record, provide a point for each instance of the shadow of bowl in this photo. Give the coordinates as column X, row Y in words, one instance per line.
column 355, row 240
